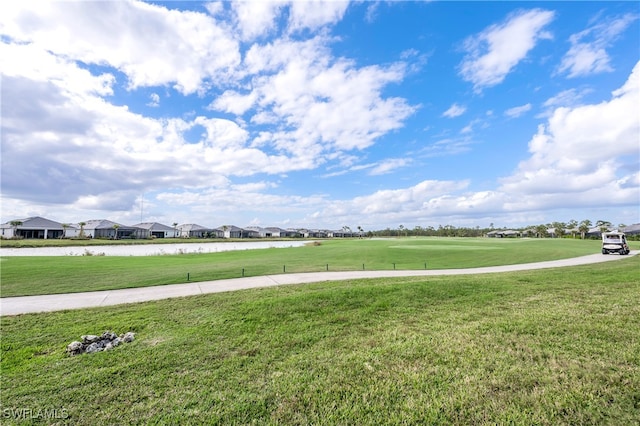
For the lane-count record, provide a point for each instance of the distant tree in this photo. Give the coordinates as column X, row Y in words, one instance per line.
column 115, row 228
column 541, row 231
column 360, row 230
column 64, row 230
column 558, row 228
column 14, row 224
column 603, row 225
column 400, row 229
column 584, row 227
column 175, row 229
column 82, row 224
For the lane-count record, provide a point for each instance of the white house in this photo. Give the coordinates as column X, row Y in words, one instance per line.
column 36, row 227
column 103, row 228
column 158, row 230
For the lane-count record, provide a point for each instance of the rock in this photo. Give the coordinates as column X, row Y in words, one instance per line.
column 128, row 337
column 74, row 348
column 91, row 343
column 92, row 348
column 90, row 338
column 109, row 335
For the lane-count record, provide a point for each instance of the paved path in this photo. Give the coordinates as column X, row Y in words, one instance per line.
column 58, row 302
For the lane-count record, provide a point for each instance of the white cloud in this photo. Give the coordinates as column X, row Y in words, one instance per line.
column 588, row 52
column 447, row 146
column 151, row 45
column 312, row 14
column 388, row 165
column 317, row 104
column 454, row 110
column 517, row 111
column 315, row 107
column 494, row 52
column 389, row 205
column 566, row 98
column 154, row 100
column 581, row 154
column 256, row 18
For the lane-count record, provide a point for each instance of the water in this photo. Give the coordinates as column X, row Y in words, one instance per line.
column 148, row 249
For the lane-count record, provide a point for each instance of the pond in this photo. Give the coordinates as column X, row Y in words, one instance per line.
column 148, row 249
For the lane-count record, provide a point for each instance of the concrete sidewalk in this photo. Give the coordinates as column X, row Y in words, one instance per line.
column 58, row 302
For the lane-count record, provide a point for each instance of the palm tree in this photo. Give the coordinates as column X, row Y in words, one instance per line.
column 82, row 224
column 603, row 225
column 175, row 229
column 115, row 227
column 14, row 224
column 584, row 227
column 541, row 230
column 64, row 230
column 400, row 229
column 558, row 229
column 360, row 230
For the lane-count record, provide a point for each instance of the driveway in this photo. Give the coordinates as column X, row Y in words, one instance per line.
column 59, row 302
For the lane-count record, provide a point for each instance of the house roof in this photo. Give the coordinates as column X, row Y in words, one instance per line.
column 153, row 226
column 230, row 228
column 35, row 222
column 631, row 229
column 192, row 227
column 101, row 224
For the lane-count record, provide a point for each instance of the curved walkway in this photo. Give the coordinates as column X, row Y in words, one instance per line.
column 58, row 302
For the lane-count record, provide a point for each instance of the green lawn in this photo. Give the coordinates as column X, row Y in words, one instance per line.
column 47, row 275
column 550, row 347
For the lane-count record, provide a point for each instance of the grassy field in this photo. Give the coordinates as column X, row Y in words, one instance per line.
column 549, row 347
column 47, row 275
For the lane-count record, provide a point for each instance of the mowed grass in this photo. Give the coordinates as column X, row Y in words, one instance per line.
column 23, row 276
column 550, row 347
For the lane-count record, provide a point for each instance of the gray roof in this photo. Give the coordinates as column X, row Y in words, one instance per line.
column 635, row 228
column 153, row 226
column 101, row 224
column 192, row 227
column 35, row 222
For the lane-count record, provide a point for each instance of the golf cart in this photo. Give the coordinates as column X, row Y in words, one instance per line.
column 614, row 242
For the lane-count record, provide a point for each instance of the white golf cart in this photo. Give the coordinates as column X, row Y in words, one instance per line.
column 614, row 242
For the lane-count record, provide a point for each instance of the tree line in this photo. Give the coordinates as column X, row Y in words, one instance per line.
column 573, row 229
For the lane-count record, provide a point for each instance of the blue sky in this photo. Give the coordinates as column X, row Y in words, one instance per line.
column 321, row 114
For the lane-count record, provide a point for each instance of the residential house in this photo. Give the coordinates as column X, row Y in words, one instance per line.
column 232, row 231
column 36, row 227
column 103, row 228
column 192, row 230
column 631, row 229
column 270, row 232
column 158, row 230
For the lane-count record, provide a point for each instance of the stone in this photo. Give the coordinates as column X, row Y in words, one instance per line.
column 92, row 348
column 90, row 338
column 109, row 335
column 91, row 343
column 128, row 337
column 75, row 348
